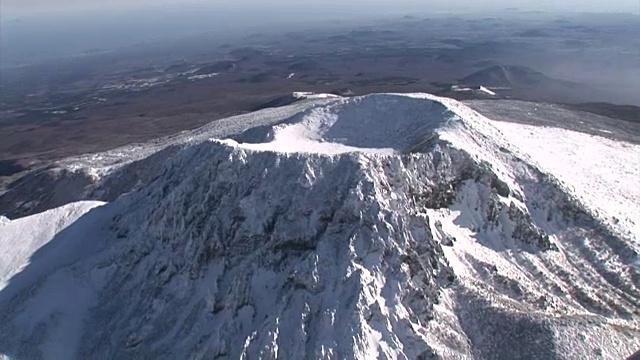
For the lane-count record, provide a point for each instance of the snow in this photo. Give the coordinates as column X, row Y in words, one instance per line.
column 482, row 89
column 383, row 226
column 312, row 96
column 355, row 125
column 603, row 173
column 109, row 162
column 40, row 257
column 33, row 233
column 203, row 76
column 486, row 90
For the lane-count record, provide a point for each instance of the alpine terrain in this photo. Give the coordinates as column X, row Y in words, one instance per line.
column 382, row 226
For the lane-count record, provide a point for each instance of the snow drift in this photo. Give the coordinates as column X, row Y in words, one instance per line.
column 383, row 226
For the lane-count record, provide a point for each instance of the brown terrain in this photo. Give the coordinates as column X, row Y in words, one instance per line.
column 97, row 102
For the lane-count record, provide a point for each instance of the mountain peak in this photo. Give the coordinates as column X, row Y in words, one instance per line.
column 380, row 123
column 382, row 226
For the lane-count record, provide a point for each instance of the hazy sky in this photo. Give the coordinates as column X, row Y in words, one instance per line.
column 29, row 6
column 41, row 29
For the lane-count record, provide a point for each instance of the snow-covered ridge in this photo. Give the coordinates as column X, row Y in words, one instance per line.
column 384, row 226
column 369, row 124
column 34, row 231
column 373, row 124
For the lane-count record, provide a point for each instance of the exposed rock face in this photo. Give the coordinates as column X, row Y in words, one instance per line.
column 298, row 256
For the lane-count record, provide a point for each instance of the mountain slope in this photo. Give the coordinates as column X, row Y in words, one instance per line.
column 384, row 226
column 33, row 232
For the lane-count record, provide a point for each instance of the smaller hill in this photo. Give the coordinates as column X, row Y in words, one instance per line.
column 506, row 76
column 520, row 82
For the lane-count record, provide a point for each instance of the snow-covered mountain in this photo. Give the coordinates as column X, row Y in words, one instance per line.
column 383, row 226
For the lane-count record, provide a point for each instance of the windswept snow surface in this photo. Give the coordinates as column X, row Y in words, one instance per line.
column 384, row 226
column 37, row 247
column 19, row 239
column 603, row 173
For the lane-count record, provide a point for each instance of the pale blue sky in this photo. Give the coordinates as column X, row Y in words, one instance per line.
column 28, row 6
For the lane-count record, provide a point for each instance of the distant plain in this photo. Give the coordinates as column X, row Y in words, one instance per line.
column 104, row 98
